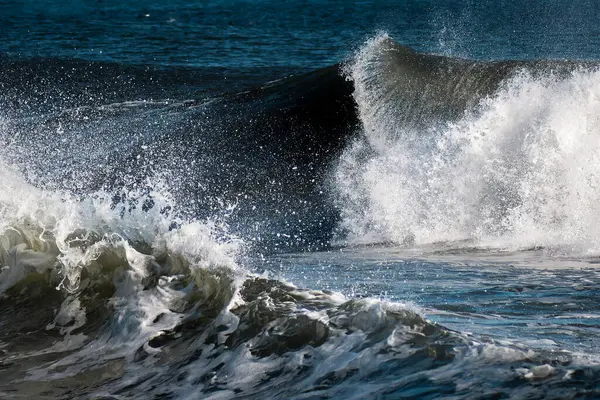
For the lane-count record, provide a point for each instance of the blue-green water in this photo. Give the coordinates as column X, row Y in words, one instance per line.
column 324, row 199
column 245, row 34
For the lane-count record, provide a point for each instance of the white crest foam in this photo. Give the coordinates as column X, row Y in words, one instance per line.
column 519, row 170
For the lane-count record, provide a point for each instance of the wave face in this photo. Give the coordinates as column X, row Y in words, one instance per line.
column 259, row 158
column 499, row 153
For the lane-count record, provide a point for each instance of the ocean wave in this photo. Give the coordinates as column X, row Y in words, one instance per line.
column 497, row 153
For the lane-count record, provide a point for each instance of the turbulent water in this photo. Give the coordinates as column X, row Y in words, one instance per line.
column 378, row 200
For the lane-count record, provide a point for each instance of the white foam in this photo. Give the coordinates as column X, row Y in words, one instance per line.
column 520, row 170
column 54, row 232
column 43, row 229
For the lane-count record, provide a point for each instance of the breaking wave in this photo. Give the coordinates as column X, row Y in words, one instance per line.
column 497, row 153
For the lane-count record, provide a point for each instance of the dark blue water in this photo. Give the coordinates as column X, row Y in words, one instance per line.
column 299, row 199
column 295, row 34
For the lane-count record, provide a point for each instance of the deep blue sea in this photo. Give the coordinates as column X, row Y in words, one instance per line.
column 299, row 200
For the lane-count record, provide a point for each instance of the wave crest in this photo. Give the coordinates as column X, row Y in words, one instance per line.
column 514, row 166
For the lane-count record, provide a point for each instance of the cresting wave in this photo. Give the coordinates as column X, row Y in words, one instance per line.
column 123, row 255
column 503, row 154
column 85, row 282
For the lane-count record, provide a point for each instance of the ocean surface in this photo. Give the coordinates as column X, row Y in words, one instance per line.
column 299, row 199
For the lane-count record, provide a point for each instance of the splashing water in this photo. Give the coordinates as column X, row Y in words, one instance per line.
column 516, row 170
